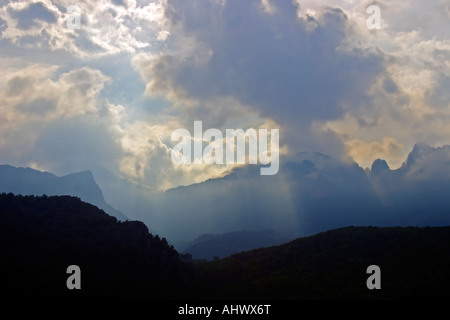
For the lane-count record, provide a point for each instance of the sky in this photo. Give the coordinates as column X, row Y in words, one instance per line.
column 107, row 96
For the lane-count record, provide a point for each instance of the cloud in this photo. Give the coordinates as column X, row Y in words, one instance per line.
column 406, row 100
column 366, row 153
column 146, row 158
column 27, row 87
column 428, row 163
column 106, row 27
column 29, row 16
column 55, row 118
column 137, row 70
column 59, row 121
column 269, row 61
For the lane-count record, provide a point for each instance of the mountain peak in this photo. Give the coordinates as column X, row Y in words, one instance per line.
column 419, row 151
column 379, row 166
column 28, row 181
column 84, row 185
column 87, row 173
column 82, row 175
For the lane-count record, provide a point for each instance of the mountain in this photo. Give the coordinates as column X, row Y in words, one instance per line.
column 40, row 237
column 414, row 264
column 209, row 246
column 311, row 193
column 417, row 192
column 27, row 181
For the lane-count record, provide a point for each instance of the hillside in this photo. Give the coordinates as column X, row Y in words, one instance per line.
column 414, row 263
column 41, row 236
column 209, row 246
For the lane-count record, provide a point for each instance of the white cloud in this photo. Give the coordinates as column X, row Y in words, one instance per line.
column 366, row 153
column 36, row 96
column 407, row 102
column 310, row 68
column 105, row 28
column 267, row 6
column 267, row 62
column 59, row 121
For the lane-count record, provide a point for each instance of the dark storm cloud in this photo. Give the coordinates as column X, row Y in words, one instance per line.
column 288, row 68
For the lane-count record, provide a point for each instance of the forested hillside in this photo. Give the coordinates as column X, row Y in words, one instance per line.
column 414, row 263
column 41, row 236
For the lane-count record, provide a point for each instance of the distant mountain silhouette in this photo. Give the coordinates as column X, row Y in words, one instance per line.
column 379, row 167
column 311, row 193
column 209, row 246
column 41, row 236
column 27, row 181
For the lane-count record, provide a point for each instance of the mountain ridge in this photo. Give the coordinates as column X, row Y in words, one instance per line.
column 28, row 181
column 311, row 192
column 209, row 246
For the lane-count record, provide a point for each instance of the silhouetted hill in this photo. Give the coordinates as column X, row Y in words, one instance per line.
column 27, row 181
column 209, row 246
column 414, row 263
column 41, row 236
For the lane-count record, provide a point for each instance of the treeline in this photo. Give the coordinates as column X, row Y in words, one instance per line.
column 41, row 236
column 414, row 264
